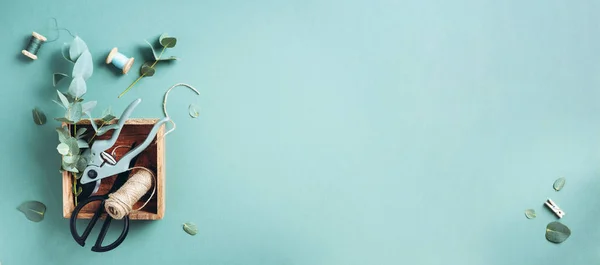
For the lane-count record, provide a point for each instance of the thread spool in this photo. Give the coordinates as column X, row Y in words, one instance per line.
column 119, row 60
column 35, row 43
column 120, row 203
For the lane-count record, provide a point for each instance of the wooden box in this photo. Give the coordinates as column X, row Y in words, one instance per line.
column 153, row 158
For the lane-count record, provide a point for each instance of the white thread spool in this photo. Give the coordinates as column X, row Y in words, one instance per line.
column 120, row 203
column 119, row 60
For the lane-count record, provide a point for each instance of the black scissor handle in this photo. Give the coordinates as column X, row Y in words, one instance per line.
column 80, row 239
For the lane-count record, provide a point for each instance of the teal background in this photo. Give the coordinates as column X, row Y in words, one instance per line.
column 331, row 132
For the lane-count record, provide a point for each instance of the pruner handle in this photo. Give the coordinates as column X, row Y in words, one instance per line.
column 94, row 173
column 100, row 146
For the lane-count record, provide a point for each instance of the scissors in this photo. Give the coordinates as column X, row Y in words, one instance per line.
column 121, row 179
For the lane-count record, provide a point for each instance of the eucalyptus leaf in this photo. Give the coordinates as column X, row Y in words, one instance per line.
column 557, row 232
column 73, row 146
column 72, row 98
column 63, row 149
column 108, row 118
column 33, row 210
column 530, row 213
column 88, row 106
column 107, row 115
column 92, row 122
column 70, row 168
column 193, row 110
column 153, row 51
column 65, row 51
column 170, row 58
column 83, row 66
column 82, row 163
column 166, row 41
column 107, row 111
column 65, row 120
column 63, row 99
column 74, row 112
column 105, row 129
column 57, row 77
column 190, row 228
column 82, row 144
column 80, row 132
column 58, row 103
column 559, row 184
column 70, row 159
column 78, row 88
column 77, row 48
column 63, row 134
column 38, row 116
column 147, row 69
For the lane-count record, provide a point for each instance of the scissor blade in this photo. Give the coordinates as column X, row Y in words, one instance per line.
column 87, row 189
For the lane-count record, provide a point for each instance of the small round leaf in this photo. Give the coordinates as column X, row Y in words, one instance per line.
column 190, row 228
column 38, row 116
column 33, row 210
column 559, row 184
column 193, row 110
column 557, row 232
column 63, row 149
column 530, row 213
column 166, row 41
column 147, row 70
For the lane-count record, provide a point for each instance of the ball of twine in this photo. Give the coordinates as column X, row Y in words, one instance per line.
column 120, row 203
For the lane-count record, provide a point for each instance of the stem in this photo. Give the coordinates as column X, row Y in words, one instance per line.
column 74, row 188
column 131, row 86
column 95, row 133
column 139, row 78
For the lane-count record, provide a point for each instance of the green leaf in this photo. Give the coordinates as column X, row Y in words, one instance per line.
column 80, row 132
column 69, row 167
column 74, row 112
column 58, row 103
column 82, row 144
column 72, row 98
column 65, row 51
column 63, row 99
column 77, row 48
column 63, row 134
column 153, row 51
column 193, row 110
column 166, row 41
column 65, row 120
column 83, row 66
column 107, row 111
column 557, row 232
column 105, row 129
column 88, row 106
column 108, row 118
column 171, row 58
column 559, row 184
column 190, row 228
column 57, row 77
column 530, row 213
column 147, row 69
column 70, row 159
column 73, row 146
column 38, row 116
column 63, row 149
column 82, row 163
column 33, row 210
column 78, row 88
